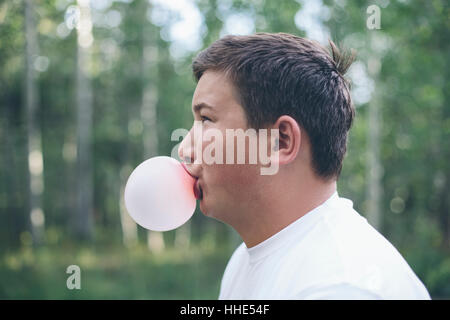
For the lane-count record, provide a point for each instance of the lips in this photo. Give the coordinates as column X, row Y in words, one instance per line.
column 198, row 193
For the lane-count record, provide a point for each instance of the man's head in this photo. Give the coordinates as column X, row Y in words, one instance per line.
column 273, row 81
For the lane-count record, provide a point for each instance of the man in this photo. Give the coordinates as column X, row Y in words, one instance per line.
column 300, row 239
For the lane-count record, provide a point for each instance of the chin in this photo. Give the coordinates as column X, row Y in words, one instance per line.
column 209, row 214
column 206, row 210
column 203, row 208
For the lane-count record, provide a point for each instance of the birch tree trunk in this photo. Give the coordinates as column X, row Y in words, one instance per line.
column 374, row 168
column 83, row 220
column 35, row 158
column 183, row 236
column 129, row 227
column 149, row 67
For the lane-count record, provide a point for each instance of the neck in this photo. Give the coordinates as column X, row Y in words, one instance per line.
column 285, row 201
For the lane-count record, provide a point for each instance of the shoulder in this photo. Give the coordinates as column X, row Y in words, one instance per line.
column 336, row 291
column 372, row 262
column 344, row 257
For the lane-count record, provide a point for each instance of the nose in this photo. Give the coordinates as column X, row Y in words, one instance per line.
column 187, row 155
column 186, row 150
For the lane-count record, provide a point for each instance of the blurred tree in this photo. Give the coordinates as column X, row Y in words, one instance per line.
column 148, row 114
column 374, row 168
column 83, row 223
column 35, row 160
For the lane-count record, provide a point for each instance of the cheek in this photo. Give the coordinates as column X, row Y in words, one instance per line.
column 230, row 180
column 234, row 181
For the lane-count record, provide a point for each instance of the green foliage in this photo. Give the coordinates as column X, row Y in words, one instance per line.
column 113, row 273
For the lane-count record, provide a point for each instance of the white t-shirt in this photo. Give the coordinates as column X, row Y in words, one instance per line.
column 330, row 253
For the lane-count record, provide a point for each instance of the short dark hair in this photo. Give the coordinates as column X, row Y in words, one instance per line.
column 277, row 74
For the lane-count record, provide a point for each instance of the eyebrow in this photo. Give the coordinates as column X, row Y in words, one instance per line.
column 202, row 105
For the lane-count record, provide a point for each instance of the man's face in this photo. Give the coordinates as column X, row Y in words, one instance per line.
column 227, row 189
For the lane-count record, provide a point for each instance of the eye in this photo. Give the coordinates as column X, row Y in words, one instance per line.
column 203, row 118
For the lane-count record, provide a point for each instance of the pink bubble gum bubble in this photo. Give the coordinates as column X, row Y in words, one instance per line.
column 159, row 194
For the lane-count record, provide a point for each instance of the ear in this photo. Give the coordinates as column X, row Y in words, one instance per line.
column 289, row 139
